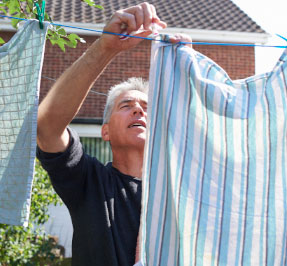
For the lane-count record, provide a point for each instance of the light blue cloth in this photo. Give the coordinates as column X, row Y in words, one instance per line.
column 214, row 183
column 21, row 62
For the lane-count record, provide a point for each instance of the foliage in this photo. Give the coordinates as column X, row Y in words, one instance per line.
column 31, row 245
column 92, row 3
column 26, row 9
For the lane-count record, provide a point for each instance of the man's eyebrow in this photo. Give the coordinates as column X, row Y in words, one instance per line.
column 131, row 100
column 125, row 101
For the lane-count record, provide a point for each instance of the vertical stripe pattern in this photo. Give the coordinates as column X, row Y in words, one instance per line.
column 214, row 184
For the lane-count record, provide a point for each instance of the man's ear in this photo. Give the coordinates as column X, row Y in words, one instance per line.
column 105, row 132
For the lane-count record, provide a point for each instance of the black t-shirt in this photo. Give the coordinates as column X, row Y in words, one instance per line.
column 104, row 205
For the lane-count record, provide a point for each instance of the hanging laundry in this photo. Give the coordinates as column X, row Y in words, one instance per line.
column 21, row 62
column 214, row 184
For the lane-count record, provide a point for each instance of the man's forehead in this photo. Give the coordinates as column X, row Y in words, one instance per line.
column 132, row 95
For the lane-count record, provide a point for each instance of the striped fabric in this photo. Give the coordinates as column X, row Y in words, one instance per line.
column 214, row 185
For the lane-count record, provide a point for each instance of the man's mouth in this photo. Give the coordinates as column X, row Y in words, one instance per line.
column 137, row 124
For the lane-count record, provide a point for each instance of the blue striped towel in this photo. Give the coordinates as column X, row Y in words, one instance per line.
column 21, row 62
column 214, row 184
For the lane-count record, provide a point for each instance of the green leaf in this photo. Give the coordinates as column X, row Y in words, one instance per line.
column 53, row 38
column 29, row 7
column 62, row 31
column 47, row 17
column 89, row 2
column 22, row 15
column 99, row 7
column 14, row 7
column 3, row 10
column 61, row 43
column 52, row 35
column 92, row 3
column 30, row 2
column 71, row 44
column 1, row 41
column 73, row 37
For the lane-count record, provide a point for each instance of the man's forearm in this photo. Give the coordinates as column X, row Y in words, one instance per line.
column 67, row 95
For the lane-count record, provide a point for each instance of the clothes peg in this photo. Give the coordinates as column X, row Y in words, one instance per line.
column 40, row 13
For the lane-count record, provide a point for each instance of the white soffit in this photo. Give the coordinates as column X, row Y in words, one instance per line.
column 87, row 130
column 5, row 25
column 220, row 36
column 195, row 34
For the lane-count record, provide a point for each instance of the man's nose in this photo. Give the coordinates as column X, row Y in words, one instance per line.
column 138, row 109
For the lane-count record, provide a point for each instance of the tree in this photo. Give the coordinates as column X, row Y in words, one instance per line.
column 31, row 245
column 27, row 9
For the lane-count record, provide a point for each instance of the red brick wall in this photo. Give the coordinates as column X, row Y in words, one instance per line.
column 238, row 62
column 127, row 64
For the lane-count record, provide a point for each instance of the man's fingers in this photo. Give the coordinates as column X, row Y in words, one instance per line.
column 144, row 34
column 143, row 15
column 124, row 21
column 181, row 38
column 156, row 19
column 139, row 17
column 148, row 16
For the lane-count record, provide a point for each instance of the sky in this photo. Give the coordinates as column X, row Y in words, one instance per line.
column 271, row 15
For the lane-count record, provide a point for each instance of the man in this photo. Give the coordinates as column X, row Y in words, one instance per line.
column 104, row 201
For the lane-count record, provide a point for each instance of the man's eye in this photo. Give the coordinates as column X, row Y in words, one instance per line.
column 124, row 106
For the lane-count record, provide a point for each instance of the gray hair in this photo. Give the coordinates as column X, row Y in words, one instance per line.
column 131, row 84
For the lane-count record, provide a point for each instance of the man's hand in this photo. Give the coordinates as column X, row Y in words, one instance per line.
column 126, row 21
column 181, row 38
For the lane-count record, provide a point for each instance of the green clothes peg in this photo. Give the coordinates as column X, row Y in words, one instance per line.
column 40, row 13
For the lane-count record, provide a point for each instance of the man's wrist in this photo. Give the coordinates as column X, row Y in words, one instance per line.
column 97, row 57
column 100, row 48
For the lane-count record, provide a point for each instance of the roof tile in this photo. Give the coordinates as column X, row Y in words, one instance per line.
column 191, row 14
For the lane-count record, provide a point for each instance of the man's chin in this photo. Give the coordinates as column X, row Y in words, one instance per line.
column 142, row 136
column 140, row 139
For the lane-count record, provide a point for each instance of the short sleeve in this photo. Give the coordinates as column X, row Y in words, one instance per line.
column 66, row 169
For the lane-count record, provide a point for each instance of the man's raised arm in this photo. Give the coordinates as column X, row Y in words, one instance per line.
column 68, row 93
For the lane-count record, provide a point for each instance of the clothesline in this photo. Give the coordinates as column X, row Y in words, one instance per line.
column 153, row 39
column 93, row 91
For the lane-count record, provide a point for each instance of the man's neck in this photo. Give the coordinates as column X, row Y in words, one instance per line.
column 129, row 163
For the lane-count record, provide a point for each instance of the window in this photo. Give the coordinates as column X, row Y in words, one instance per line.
column 98, row 148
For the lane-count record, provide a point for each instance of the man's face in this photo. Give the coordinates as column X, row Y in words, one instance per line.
column 127, row 125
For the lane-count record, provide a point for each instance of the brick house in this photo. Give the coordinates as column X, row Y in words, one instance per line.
column 203, row 20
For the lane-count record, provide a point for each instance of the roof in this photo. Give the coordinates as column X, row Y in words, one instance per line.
column 219, row 15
